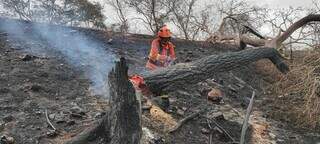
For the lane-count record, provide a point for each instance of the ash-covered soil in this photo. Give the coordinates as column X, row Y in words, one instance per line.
column 33, row 84
column 30, row 86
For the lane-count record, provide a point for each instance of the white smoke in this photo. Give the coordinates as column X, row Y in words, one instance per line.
column 82, row 52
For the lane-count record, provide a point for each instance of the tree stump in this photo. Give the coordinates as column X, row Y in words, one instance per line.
column 122, row 123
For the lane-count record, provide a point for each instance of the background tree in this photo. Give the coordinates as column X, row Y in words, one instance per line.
column 51, row 10
column 121, row 7
column 236, row 17
column 21, row 8
column 315, row 27
column 154, row 12
column 240, row 23
column 84, row 11
column 70, row 12
column 184, row 18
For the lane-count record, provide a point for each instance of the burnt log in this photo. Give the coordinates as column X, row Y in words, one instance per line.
column 178, row 76
column 122, row 122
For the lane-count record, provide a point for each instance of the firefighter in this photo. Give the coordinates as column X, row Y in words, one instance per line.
column 162, row 52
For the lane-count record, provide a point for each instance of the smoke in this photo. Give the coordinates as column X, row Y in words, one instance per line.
column 82, row 52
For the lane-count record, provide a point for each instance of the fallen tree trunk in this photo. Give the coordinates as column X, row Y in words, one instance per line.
column 122, row 123
column 178, row 76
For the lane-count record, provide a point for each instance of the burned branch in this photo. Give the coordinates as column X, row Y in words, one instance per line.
column 48, row 121
column 246, row 120
column 186, row 119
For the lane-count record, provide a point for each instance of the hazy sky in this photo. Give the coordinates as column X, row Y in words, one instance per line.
column 112, row 17
column 285, row 3
column 136, row 27
column 275, row 3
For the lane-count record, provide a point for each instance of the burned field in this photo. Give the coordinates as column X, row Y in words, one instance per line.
column 39, row 85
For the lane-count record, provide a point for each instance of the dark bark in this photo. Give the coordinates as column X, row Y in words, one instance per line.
column 252, row 41
column 180, row 75
column 122, row 123
column 125, row 110
column 296, row 25
column 253, row 31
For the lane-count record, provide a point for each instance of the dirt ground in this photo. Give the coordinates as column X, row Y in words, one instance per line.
column 31, row 85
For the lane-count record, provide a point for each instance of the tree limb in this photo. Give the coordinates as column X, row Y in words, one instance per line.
column 275, row 42
column 295, row 26
column 246, row 120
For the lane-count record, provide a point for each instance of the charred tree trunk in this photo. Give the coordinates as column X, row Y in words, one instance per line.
column 122, row 123
column 125, row 109
column 178, row 76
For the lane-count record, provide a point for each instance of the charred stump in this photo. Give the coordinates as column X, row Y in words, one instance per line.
column 180, row 75
column 122, row 123
column 125, row 109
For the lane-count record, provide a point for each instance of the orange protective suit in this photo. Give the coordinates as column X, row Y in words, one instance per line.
column 160, row 56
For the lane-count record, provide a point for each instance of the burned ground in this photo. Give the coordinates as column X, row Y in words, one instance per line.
column 30, row 84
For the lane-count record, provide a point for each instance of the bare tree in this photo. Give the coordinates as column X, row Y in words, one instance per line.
column 84, row 11
column 184, row 18
column 206, row 21
column 240, row 23
column 315, row 27
column 19, row 7
column 283, row 35
column 52, row 11
column 288, row 28
column 316, row 6
column 154, row 12
column 237, row 17
column 121, row 7
column 279, row 20
column 59, row 12
column 315, row 35
column 236, row 13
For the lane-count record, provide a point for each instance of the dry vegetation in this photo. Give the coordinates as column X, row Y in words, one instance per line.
column 297, row 94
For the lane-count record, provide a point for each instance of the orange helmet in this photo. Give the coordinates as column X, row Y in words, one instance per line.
column 164, row 32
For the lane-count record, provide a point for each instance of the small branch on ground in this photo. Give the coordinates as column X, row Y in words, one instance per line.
column 246, row 120
column 221, row 128
column 186, row 119
column 48, row 121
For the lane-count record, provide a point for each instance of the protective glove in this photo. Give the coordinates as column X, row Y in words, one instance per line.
column 170, row 61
